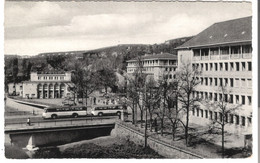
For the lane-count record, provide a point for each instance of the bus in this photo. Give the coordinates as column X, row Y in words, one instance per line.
column 100, row 110
column 70, row 111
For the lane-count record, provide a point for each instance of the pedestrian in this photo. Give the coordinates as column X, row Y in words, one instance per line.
column 29, row 121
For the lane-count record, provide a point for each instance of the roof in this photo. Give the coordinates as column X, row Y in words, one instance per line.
column 156, row 56
column 231, row 31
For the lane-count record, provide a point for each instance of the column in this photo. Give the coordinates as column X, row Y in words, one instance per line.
column 53, row 91
column 200, row 54
column 229, row 52
column 42, row 90
column 241, row 51
column 209, row 55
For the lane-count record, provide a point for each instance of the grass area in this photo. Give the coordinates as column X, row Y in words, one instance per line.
column 104, row 147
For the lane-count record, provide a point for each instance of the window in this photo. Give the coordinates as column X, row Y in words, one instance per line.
column 226, row 118
column 210, row 81
column 216, row 66
column 198, row 112
column 215, row 116
column 235, row 50
column 249, row 120
column 206, row 95
column 210, row 96
column 196, row 52
column 39, row 77
column 249, row 100
column 201, row 81
column 231, row 66
column 210, row 115
column 193, row 111
column 243, row 66
column 226, row 66
column 237, row 66
column 249, row 64
column 216, row 81
column 225, row 97
column 206, row 113
column 210, row 66
column 214, row 51
column 243, row 100
column 201, row 67
column 220, row 97
column 220, row 117
column 237, row 119
column 201, row 111
column 247, row 49
column 237, row 99
column 220, row 66
column 224, row 50
column 215, row 97
column 206, row 81
column 207, row 67
column 243, row 119
column 231, row 82
column 225, row 81
column 231, row 99
column 220, row 82
column 231, row 118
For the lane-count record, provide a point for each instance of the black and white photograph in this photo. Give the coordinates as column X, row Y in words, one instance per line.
column 129, row 80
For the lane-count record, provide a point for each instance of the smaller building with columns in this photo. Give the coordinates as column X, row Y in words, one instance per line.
column 46, row 85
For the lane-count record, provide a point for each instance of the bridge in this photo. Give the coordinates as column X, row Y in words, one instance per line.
column 58, row 131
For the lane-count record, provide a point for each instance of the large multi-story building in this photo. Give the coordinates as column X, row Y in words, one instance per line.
column 223, row 52
column 44, row 85
column 155, row 65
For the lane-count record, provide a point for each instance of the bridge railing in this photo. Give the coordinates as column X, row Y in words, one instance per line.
column 63, row 122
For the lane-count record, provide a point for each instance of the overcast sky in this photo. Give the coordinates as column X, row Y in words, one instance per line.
column 37, row 27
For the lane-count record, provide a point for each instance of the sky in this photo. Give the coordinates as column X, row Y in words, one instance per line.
column 37, row 27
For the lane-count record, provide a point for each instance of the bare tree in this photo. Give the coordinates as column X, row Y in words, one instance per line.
column 225, row 110
column 188, row 79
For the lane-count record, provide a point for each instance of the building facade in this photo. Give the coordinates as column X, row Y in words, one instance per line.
column 156, row 65
column 223, row 53
column 45, row 85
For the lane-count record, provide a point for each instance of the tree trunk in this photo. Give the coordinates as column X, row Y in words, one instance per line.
column 162, row 126
column 223, row 141
column 151, row 122
column 141, row 117
column 173, row 131
column 133, row 113
column 187, row 127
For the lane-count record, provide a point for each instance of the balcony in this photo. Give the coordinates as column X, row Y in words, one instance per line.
column 214, row 57
column 235, row 56
column 196, row 58
column 247, row 55
column 224, row 56
column 204, row 57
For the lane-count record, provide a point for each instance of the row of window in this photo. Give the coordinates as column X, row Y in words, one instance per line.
column 154, row 62
column 51, row 78
column 218, row 116
column 228, row 98
column 231, row 82
column 225, row 66
column 245, row 49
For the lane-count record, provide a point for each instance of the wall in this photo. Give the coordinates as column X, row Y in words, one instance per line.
column 162, row 148
column 57, row 137
column 29, row 89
